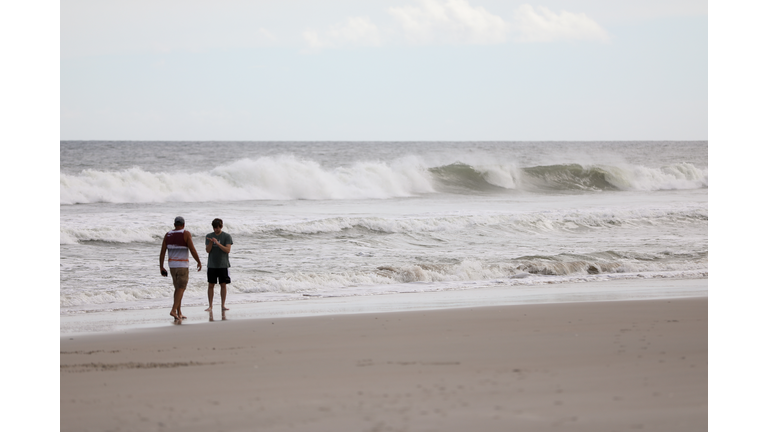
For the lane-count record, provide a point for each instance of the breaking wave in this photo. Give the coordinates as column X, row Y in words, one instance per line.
column 287, row 177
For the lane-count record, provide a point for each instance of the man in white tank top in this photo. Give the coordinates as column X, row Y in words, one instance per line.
column 179, row 244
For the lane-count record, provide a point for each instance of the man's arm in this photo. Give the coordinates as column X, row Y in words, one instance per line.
column 162, row 258
column 191, row 246
column 223, row 248
column 208, row 245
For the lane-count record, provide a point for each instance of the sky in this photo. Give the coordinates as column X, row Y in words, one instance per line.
column 383, row 70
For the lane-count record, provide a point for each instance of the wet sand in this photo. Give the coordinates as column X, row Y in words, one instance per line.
column 599, row 366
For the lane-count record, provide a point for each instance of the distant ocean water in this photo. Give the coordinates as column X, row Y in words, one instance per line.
column 327, row 219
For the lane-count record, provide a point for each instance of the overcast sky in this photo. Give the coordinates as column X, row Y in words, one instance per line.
column 451, row 70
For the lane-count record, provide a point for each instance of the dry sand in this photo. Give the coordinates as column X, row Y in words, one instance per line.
column 604, row 366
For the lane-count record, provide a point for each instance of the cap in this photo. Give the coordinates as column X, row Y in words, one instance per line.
column 178, row 221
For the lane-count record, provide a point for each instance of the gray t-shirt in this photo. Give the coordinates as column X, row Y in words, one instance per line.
column 217, row 258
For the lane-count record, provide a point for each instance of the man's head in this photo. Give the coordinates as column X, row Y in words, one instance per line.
column 178, row 222
column 217, row 225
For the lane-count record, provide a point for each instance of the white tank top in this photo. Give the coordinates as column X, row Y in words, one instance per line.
column 178, row 252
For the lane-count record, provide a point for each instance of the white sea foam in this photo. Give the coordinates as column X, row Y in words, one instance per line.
column 447, row 276
column 677, row 176
column 565, row 221
column 287, row 177
column 267, row 178
column 505, row 176
column 66, row 237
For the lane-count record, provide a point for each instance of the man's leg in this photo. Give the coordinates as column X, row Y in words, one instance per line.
column 176, row 301
column 176, row 277
column 178, row 293
column 180, row 283
column 223, row 295
column 210, row 297
column 181, row 295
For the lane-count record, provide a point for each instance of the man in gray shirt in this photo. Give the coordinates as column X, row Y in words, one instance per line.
column 218, row 244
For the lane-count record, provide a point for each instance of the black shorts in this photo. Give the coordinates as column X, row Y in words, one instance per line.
column 222, row 274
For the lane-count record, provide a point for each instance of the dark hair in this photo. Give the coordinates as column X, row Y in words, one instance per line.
column 217, row 223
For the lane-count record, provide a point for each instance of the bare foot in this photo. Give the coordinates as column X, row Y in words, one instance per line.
column 209, row 309
column 223, row 308
column 174, row 315
column 182, row 316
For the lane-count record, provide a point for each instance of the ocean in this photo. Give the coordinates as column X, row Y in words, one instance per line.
column 314, row 220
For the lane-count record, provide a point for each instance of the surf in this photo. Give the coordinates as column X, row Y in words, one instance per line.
column 287, row 177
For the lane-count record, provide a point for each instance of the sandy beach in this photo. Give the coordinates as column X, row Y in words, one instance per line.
column 599, row 366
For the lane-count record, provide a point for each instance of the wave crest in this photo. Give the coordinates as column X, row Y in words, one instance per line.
column 268, row 178
column 287, row 177
column 617, row 177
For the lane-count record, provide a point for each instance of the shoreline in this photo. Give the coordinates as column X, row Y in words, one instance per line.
column 582, row 366
column 610, row 290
